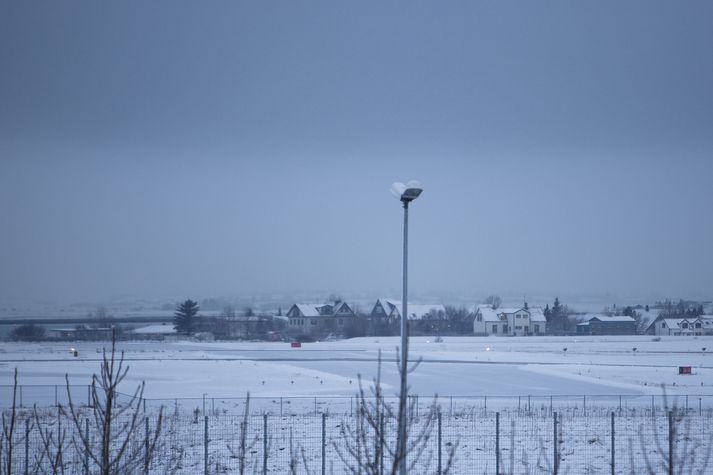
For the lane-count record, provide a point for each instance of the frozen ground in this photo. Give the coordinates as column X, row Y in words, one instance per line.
column 457, row 366
column 532, row 368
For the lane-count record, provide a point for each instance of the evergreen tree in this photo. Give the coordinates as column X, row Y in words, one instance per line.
column 184, row 320
column 557, row 318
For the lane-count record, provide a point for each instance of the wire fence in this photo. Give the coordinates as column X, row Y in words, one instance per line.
column 55, row 395
column 499, row 443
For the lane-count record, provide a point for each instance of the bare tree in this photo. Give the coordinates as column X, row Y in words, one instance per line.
column 294, row 463
column 245, row 443
column 119, row 426
column 53, row 444
column 683, row 454
column 365, row 443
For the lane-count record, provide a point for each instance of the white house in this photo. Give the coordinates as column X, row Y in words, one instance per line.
column 513, row 321
column 689, row 326
column 314, row 319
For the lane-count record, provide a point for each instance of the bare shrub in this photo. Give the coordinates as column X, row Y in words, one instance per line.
column 675, row 451
column 365, row 444
column 245, row 445
column 121, row 449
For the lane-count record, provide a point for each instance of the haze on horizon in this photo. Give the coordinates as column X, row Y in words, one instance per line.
column 195, row 149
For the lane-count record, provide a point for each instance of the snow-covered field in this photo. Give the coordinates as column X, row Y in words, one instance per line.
column 459, row 367
column 523, row 378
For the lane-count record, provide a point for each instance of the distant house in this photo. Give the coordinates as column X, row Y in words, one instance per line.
column 515, row 321
column 81, row 332
column 389, row 310
column 604, row 325
column 319, row 319
column 689, row 326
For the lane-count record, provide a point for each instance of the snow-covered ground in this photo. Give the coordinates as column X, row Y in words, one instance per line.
column 457, row 366
column 523, row 378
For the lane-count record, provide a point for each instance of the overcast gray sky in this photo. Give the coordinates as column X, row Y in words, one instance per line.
column 223, row 148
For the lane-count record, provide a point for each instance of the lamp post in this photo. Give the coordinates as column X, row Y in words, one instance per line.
column 406, row 193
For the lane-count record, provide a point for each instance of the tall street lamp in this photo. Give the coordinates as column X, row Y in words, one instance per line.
column 406, row 193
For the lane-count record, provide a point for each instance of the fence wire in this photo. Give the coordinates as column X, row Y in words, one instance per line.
column 677, row 442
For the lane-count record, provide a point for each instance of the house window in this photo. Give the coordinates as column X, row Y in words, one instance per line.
column 340, row 321
column 527, row 329
column 518, row 327
column 684, row 325
column 495, row 328
column 698, row 325
column 663, row 324
column 537, row 329
column 480, row 318
column 313, row 321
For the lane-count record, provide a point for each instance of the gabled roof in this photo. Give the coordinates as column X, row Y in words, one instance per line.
column 386, row 304
column 342, row 307
column 487, row 312
column 615, row 318
column 493, row 315
column 706, row 320
column 676, row 322
column 322, row 309
column 308, row 309
column 509, row 310
column 536, row 314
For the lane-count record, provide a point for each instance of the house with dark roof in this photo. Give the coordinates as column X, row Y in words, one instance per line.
column 605, row 325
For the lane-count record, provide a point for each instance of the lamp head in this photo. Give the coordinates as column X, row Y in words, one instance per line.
column 408, row 192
